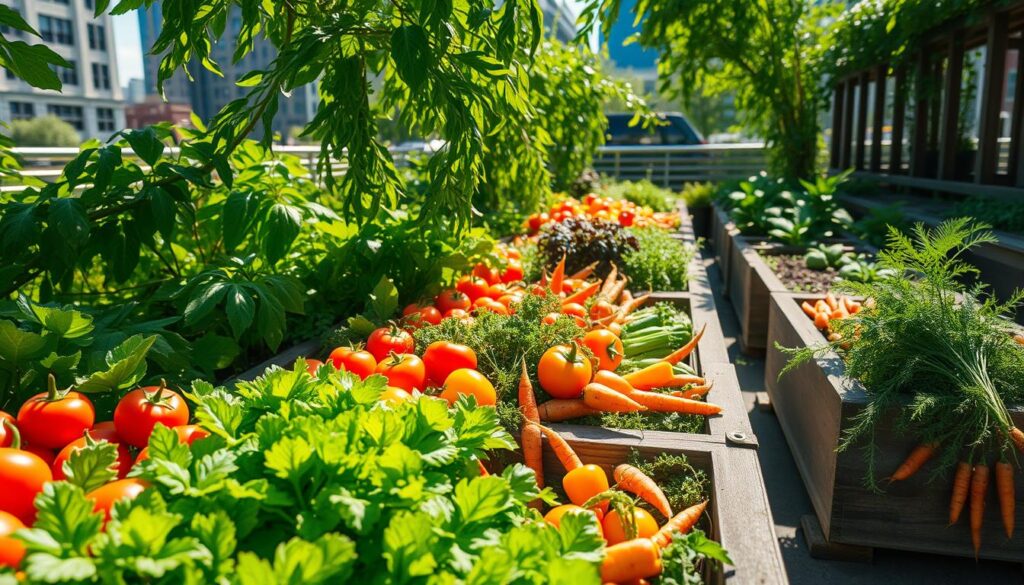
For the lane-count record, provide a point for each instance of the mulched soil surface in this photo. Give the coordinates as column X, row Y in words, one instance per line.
column 793, row 273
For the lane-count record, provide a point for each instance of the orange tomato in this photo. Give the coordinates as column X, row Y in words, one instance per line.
column 403, row 370
column 11, row 550
column 606, row 346
column 471, row 383
column 574, row 309
column 615, row 532
column 554, row 516
column 105, row 496
column 563, row 371
column 312, row 366
column 585, row 482
column 392, row 395
column 601, row 309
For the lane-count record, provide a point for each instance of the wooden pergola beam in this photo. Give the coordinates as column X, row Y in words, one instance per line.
column 991, row 99
column 878, row 119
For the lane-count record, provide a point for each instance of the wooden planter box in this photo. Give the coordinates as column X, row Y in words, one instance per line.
column 814, row 404
column 722, row 232
column 740, row 518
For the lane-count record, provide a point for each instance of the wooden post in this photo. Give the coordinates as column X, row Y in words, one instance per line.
column 948, row 133
column 848, row 124
column 1014, row 168
column 991, row 99
column 862, row 119
column 837, row 125
column 919, row 143
column 879, row 119
column 899, row 107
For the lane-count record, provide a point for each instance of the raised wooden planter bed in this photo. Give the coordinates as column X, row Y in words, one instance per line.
column 722, row 232
column 740, row 518
column 814, row 404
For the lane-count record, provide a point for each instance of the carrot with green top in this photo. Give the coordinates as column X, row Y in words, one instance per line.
column 961, row 485
column 917, row 458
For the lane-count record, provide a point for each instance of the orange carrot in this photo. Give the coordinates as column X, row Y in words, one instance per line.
column 917, row 458
column 587, row 271
column 681, row 354
column 569, row 459
column 530, row 437
column 637, row 482
column 1019, row 338
column 560, row 409
column 852, row 306
column 609, row 282
column 658, row 402
column 582, row 295
column 558, row 277
column 483, row 470
column 602, row 398
column 809, row 309
column 681, row 522
column 961, row 484
column 695, row 392
column 630, row 306
column 831, row 301
column 1018, row 438
column 821, row 306
column 821, row 320
column 1004, row 488
column 653, row 376
column 979, row 485
column 613, row 381
column 680, row 381
column 626, row 296
column 616, row 291
column 630, row 560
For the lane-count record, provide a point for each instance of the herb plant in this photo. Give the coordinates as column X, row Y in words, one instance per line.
column 659, row 263
column 936, row 352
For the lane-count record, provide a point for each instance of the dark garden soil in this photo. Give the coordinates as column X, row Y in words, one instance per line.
column 797, row 277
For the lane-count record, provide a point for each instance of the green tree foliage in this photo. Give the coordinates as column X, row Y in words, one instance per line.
column 43, row 131
column 568, row 91
column 765, row 51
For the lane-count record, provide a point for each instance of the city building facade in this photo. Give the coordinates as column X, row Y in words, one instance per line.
column 91, row 99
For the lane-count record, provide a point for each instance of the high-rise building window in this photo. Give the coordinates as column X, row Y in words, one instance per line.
column 97, row 37
column 105, row 119
column 56, row 30
column 90, row 4
column 67, row 75
column 23, row 110
column 100, row 76
column 70, row 114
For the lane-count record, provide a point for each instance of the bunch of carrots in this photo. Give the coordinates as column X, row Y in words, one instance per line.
column 823, row 311
column 634, row 541
column 580, row 387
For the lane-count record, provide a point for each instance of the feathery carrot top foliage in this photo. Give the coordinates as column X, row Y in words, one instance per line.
column 938, row 351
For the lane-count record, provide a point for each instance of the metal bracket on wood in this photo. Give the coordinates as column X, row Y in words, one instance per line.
column 741, row 439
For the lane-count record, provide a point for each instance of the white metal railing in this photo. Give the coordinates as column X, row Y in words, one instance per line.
column 667, row 166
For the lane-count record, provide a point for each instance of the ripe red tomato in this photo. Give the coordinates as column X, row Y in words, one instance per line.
column 313, row 365
column 124, row 458
column 615, row 532
column 11, row 550
column 491, row 275
column 472, row 287
column 452, row 299
column 105, row 496
column 359, row 362
column 563, row 371
column 456, row 314
column 574, row 309
column 22, row 476
column 513, row 272
column 626, row 218
column 403, row 370
column 47, row 455
column 189, row 434
column 6, row 437
column 471, row 383
column 386, row 340
column 53, row 419
column 141, row 409
column 441, row 358
column 105, row 430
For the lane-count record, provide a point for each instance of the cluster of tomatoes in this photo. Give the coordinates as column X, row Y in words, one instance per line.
column 620, row 211
column 51, row 426
column 390, row 352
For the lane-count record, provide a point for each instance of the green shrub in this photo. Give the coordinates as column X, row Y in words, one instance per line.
column 698, row 195
column 643, row 192
column 660, row 262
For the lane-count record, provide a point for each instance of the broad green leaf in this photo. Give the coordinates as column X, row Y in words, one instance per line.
column 126, row 365
column 214, row 352
column 279, row 230
column 580, row 537
column 92, row 466
column 216, row 532
column 32, row 64
column 17, row 346
column 290, row 458
column 408, row 546
column 384, row 300
column 67, row 516
column 240, row 308
column 220, row 415
column 12, row 18
column 410, row 50
column 68, row 217
column 237, row 218
column 481, row 498
column 204, row 298
column 145, row 144
column 252, row 570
